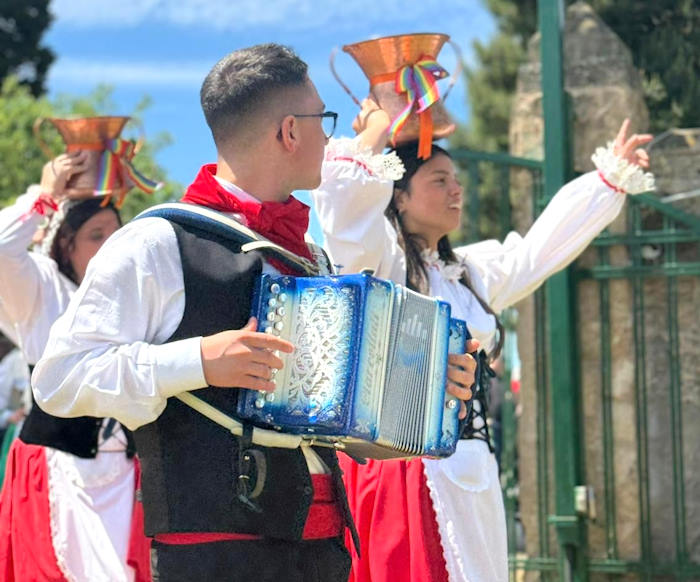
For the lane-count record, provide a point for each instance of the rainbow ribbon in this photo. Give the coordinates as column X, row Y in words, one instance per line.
column 115, row 170
column 418, row 81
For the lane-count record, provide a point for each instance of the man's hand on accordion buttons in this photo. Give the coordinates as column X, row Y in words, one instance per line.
column 461, row 370
column 242, row 358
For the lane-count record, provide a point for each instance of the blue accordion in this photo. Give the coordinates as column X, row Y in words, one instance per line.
column 369, row 369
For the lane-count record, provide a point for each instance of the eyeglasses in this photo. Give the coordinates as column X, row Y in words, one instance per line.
column 329, row 119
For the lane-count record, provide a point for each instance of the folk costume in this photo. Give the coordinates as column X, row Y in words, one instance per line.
column 438, row 520
column 67, row 505
column 218, row 506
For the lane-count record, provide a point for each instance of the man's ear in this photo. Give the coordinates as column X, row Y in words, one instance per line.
column 288, row 134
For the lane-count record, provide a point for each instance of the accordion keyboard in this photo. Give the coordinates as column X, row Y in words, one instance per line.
column 368, row 373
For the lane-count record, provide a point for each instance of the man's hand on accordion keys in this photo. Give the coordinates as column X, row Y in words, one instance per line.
column 461, row 370
column 242, row 358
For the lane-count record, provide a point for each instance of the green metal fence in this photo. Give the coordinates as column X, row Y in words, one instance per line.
column 625, row 467
column 657, row 267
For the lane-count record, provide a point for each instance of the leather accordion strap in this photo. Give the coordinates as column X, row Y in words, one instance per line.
column 222, row 225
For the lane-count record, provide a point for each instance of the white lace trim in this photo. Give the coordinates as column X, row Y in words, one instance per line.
column 384, row 166
column 629, row 178
column 447, row 538
column 450, row 271
column 60, row 546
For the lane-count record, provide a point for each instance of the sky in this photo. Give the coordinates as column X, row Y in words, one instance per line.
column 164, row 48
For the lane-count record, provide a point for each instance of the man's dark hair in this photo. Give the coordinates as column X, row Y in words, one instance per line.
column 244, row 81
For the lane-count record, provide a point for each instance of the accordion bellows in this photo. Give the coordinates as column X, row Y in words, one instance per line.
column 368, row 373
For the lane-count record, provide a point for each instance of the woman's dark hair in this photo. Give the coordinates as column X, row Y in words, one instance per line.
column 413, row 244
column 77, row 215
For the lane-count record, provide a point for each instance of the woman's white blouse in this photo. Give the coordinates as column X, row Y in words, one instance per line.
column 33, row 292
column 356, row 189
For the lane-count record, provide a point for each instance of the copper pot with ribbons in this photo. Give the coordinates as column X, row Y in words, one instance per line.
column 403, row 72
column 110, row 172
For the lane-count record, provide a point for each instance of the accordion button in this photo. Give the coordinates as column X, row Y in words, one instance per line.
column 270, row 330
column 270, row 396
column 451, row 404
column 272, row 302
column 274, row 288
column 281, row 311
column 259, row 402
column 279, row 326
column 271, row 316
column 282, row 297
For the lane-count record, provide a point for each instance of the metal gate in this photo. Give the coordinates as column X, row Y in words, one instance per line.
column 600, row 456
column 614, row 494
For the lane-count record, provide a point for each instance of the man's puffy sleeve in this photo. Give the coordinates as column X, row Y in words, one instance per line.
column 108, row 354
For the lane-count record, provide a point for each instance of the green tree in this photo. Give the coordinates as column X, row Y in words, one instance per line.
column 21, row 158
column 22, row 24
column 663, row 37
column 491, row 82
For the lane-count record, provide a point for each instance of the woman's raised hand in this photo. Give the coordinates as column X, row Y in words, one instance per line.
column 629, row 148
column 58, row 171
column 371, row 125
column 371, row 115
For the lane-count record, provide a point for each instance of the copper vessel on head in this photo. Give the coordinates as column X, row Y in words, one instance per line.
column 381, row 60
column 89, row 134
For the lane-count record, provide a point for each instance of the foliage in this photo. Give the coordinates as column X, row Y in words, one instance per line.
column 21, row 159
column 663, row 37
column 22, row 24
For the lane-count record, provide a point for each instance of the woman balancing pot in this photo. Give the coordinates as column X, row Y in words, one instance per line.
column 403, row 72
column 68, row 506
column 109, row 170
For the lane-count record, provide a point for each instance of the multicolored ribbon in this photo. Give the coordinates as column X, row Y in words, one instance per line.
column 418, row 81
column 115, row 171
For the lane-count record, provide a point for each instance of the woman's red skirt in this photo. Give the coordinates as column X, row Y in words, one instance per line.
column 393, row 512
column 26, row 547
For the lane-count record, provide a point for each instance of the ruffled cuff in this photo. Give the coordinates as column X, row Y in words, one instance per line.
column 383, row 166
column 619, row 174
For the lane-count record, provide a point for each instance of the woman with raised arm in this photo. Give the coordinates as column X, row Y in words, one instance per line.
column 437, row 520
column 68, row 496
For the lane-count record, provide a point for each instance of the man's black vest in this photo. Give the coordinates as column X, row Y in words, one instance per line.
column 190, row 465
column 78, row 436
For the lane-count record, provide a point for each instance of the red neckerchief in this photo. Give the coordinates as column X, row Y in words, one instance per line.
column 284, row 223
